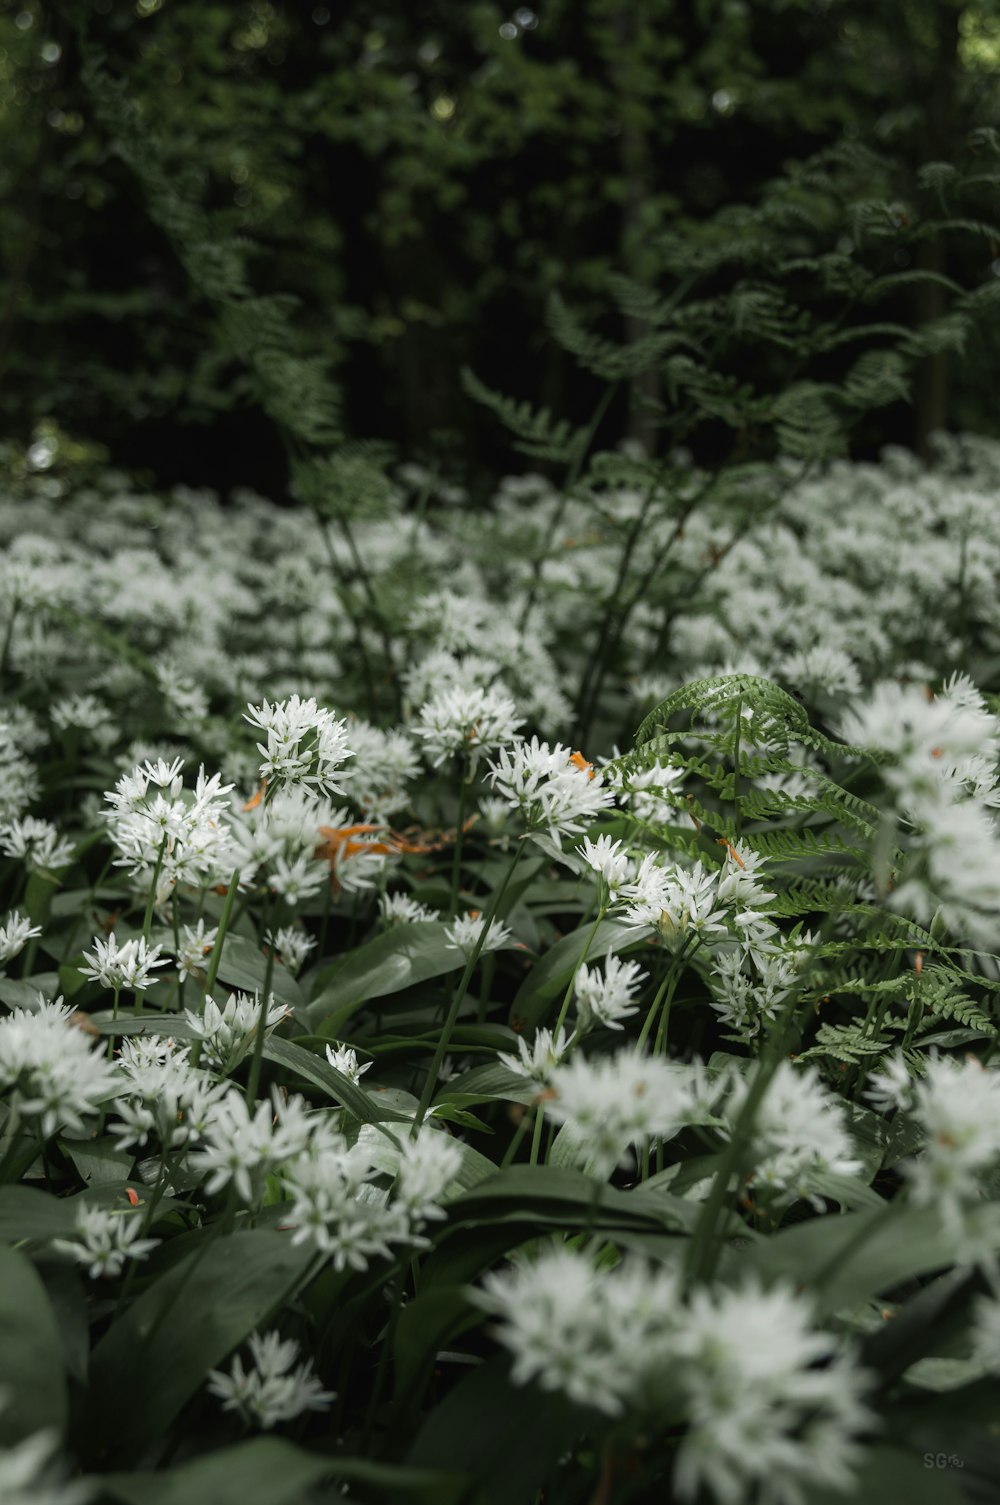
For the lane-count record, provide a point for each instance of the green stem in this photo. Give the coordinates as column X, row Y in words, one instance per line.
column 536, row 1137
column 253, row 1080
column 564, row 1007
column 147, row 920
column 737, row 815
column 683, row 957
column 456, row 861
column 459, row 994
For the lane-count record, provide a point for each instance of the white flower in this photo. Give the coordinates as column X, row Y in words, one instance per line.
column 293, row 946
column 771, row 1402
column 155, row 822
column 245, row 1148
column 123, row 966
column 572, row 1329
column 539, row 1059
column 29, row 1475
column 335, row 1207
column 608, row 858
column 305, row 744
column 465, row 933
column 401, row 909
column 104, row 1238
column 675, row 900
column 227, row 1034
column 35, row 842
column 608, row 997
column 271, row 1391
column 428, row 1164
column 15, row 933
column 296, row 881
column 54, row 1070
column 345, row 1060
column 195, row 946
column 986, row 1333
column 799, row 1129
column 555, row 790
column 957, row 1103
column 892, row 1087
column 161, row 1094
column 612, row 1102
column 469, row 720
column 385, row 763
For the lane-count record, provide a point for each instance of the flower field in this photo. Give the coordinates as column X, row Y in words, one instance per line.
column 500, row 1000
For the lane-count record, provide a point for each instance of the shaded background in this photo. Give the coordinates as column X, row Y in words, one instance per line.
column 421, row 176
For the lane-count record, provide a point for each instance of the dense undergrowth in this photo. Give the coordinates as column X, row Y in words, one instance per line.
column 500, row 1004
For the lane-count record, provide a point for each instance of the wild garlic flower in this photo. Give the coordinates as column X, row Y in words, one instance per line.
column 957, row 1103
column 799, row 1131
column 296, row 881
column 609, row 859
column 385, row 764
column 772, row 1402
column 30, row 1474
column 305, row 745
column 651, row 794
column 160, row 1095
column 57, row 1075
column 271, row 1391
column 539, row 1059
column 891, row 1088
column 334, row 1206
column 676, row 901
column 104, row 1238
column 36, row 843
column 612, row 1103
column 227, row 1034
column 428, row 1166
column 345, row 1060
column 15, row 933
column 401, row 909
column 556, row 791
column 154, row 822
column 608, row 998
column 467, row 720
column 196, row 943
column 465, row 932
column 743, row 1000
column 570, row 1328
column 123, row 966
column 243, row 1147
column 986, row 1333
column 292, row 945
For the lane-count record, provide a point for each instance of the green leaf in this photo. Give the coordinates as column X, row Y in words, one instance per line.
column 485, row 1084
column 425, row 1325
column 152, row 1360
column 844, row 1261
column 402, row 956
column 503, row 1463
column 100, row 1162
column 22, row 993
column 243, row 967
column 32, row 1363
column 548, row 980
column 364, row 1105
column 27, row 1213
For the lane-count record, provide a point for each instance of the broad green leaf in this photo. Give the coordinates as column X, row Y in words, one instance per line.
column 504, row 1463
column 491, row 1083
column 272, row 1471
column 28, row 1213
column 152, row 1360
column 100, row 1162
column 426, row 1323
column 32, row 1362
column 844, row 1261
column 402, row 956
column 364, row 1105
column 548, row 980
column 22, row 993
column 243, row 966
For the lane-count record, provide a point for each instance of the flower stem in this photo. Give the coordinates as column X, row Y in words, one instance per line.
column 459, row 994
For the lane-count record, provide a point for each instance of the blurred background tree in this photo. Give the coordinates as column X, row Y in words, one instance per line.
column 421, row 177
